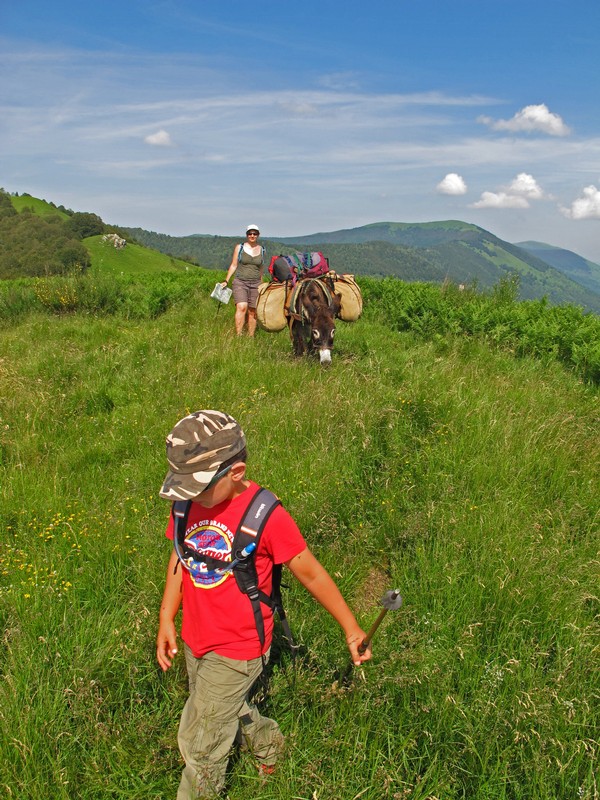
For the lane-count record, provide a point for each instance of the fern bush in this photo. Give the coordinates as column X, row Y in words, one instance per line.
column 563, row 333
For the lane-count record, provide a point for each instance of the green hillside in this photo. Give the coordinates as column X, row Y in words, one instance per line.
column 585, row 272
column 468, row 253
column 40, row 207
column 133, row 259
column 377, row 259
column 37, row 241
column 425, row 234
column 211, row 252
column 41, row 239
column 435, row 251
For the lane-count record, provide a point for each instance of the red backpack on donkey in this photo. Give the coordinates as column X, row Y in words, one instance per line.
column 297, row 266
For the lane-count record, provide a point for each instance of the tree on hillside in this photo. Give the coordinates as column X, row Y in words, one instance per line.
column 32, row 246
column 84, row 224
column 6, row 207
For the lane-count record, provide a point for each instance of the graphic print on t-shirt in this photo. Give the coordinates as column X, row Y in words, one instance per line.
column 209, row 538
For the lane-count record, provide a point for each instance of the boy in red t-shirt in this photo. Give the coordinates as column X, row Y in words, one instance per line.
column 207, row 458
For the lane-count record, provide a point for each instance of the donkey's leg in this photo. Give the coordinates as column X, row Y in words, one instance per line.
column 298, row 339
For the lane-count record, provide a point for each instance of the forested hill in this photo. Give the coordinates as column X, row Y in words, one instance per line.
column 378, row 259
column 465, row 248
column 420, row 234
column 435, row 251
column 570, row 264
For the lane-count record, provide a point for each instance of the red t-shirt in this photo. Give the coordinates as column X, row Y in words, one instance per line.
column 216, row 615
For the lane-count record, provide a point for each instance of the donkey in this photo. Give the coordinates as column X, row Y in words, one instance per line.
column 313, row 309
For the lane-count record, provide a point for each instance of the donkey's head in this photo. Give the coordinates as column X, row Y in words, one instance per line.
column 322, row 326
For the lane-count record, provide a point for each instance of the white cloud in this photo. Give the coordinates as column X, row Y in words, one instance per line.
column 452, row 184
column 518, row 193
column 525, row 185
column 500, row 200
column 530, row 119
column 159, row 139
column 586, row 207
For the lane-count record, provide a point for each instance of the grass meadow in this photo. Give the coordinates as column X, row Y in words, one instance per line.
column 458, row 473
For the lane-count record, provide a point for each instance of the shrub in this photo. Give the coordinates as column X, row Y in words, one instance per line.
column 563, row 333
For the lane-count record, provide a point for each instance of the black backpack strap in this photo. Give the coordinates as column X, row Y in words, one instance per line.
column 277, row 605
column 249, row 530
column 180, row 511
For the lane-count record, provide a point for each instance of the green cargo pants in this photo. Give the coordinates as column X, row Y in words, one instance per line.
column 216, row 714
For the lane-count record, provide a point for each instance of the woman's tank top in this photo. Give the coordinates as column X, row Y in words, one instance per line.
column 248, row 268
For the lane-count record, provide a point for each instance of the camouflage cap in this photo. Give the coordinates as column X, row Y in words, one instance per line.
column 196, row 448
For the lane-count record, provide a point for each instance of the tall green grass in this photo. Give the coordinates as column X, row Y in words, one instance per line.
column 442, row 466
column 133, row 283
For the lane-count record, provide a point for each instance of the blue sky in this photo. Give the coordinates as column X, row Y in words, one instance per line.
column 202, row 117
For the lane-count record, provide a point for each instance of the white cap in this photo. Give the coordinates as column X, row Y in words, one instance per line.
column 252, row 228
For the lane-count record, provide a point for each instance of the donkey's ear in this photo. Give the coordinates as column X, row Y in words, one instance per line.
column 336, row 304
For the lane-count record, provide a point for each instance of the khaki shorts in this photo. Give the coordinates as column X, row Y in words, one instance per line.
column 245, row 292
column 218, row 714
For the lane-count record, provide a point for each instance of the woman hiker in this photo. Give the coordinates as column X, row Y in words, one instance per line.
column 247, row 263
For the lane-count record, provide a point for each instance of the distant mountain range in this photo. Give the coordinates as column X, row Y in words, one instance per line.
column 572, row 265
column 431, row 251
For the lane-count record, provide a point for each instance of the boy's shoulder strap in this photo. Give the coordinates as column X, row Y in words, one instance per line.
column 250, row 529
column 180, row 508
column 180, row 512
column 257, row 514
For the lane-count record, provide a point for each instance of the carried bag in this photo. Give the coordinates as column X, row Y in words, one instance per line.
column 350, row 296
column 315, row 264
column 270, row 306
column 297, row 266
column 281, row 270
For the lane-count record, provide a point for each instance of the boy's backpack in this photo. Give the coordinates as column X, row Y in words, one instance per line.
column 245, row 544
column 297, row 266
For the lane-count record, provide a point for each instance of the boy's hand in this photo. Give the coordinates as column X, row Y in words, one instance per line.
column 166, row 644
column 354, row 642
column 313, row 576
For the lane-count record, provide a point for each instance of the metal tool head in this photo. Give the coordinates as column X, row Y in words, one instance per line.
column 391, row 600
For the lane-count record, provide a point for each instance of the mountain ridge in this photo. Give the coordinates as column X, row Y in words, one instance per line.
column 557, row 272
column 578, row 268
column 432, row 251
